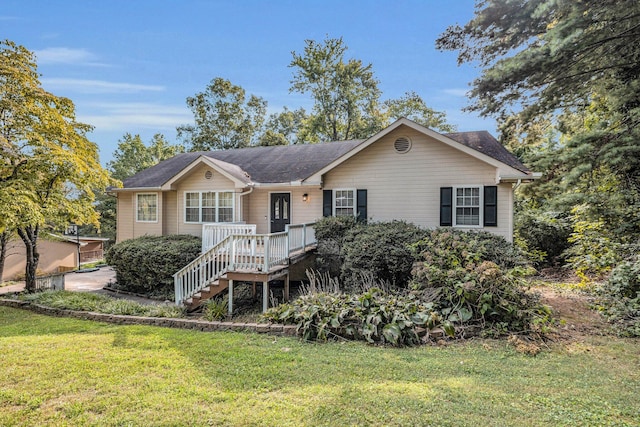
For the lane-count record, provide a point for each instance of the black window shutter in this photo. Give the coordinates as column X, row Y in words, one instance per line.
column 446, row 206
column 327, row 202
column 361, row 205
column 491, row 206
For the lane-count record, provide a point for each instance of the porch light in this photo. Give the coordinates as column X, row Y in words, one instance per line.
column 305, row 197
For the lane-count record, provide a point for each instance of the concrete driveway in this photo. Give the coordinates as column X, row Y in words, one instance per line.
column 90, row 281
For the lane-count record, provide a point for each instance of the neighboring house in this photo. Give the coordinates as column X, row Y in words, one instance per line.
column 57, row 254
column 463, row 180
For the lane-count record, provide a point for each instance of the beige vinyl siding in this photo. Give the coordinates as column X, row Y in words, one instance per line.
column 407, row 186
column 309, row 211
column 170, row 212
column 259, row 211
column 196, row 181
column 125, row 216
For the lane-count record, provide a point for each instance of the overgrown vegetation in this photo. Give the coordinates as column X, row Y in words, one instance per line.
column 85, row 301
column 460, row 282
column 619, row 297
column 372, row 316
column 381, row 249
column 478, row 277
column 147, row 264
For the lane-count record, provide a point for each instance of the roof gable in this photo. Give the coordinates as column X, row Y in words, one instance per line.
column 480, row 145
column 306, row 163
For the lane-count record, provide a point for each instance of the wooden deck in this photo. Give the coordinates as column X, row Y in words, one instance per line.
column 257, row 258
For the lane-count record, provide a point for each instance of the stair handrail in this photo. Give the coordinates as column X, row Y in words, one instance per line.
column 186, row 286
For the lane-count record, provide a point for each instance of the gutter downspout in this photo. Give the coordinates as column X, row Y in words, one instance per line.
column 241, row 196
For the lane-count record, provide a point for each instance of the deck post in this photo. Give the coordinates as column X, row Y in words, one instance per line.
column 267, row 254
column 265, row 296
column 230, row 297
column 286, row 288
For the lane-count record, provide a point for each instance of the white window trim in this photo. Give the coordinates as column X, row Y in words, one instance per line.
column 334, row 199
column 217, row 207
column 147, row 194
column 480, row 210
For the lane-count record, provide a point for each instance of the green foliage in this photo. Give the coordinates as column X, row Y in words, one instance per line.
column 413, row 107
column 85, row 301
column 381, row 249
column 284, row 128
column 474, row 276
column 373, row 316
column 345, row 91
column 224, row 118
column 49, row 170
column 543, row 236
column 619, row 298
column 147, row 264
column 564, row 77
column 593, row 253
column 133, row 156
column 215, row 309
column 331, row 233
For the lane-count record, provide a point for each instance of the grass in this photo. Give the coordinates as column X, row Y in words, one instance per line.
column 58, row 371
column 85, row 301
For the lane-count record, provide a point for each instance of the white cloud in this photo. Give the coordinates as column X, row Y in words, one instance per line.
column 96, row 86
column 65, row 55
column 130, row 116
column 456, row 92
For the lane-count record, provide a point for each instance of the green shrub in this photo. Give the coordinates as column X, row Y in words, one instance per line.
column 543, row 236
column 473, row 276
column 372, row 316
column 381, row 249
column 619, row 297
column 147, row 264
column 330, row 233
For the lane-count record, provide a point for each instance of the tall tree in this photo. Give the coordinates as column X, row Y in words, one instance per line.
column 413, row 107
column 284, row 128
column 133, row 155
column 345, row 92
column 541, row 57
column 224, row 118
column 577, row 65
column 48, row 165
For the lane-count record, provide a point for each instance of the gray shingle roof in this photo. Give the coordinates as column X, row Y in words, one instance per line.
column 263, row 164
column 485, row 143
column 291, row 163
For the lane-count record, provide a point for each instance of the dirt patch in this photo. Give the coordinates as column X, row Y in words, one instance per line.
column 573, row 312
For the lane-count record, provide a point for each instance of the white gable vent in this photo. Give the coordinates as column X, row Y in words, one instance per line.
column 402, row 145
column 208, row 175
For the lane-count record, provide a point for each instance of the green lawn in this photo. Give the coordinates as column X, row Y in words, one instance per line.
column 56, row 371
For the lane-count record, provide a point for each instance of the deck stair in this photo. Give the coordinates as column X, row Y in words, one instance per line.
column 264, row 255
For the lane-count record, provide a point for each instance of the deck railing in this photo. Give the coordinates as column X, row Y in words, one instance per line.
column 241, row 252
column 301, row 236
column 213, row 233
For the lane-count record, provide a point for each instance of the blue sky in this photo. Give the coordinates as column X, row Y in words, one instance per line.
column 130, row 65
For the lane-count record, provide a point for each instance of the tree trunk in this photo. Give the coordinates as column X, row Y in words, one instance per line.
column 29, row 236
column 4, row 242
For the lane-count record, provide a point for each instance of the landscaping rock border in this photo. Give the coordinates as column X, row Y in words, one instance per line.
column 120, row 319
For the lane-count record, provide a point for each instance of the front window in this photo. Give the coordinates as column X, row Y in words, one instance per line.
column 467, row 206
column 147, row 207
column 344, row 203
column 208, row 206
